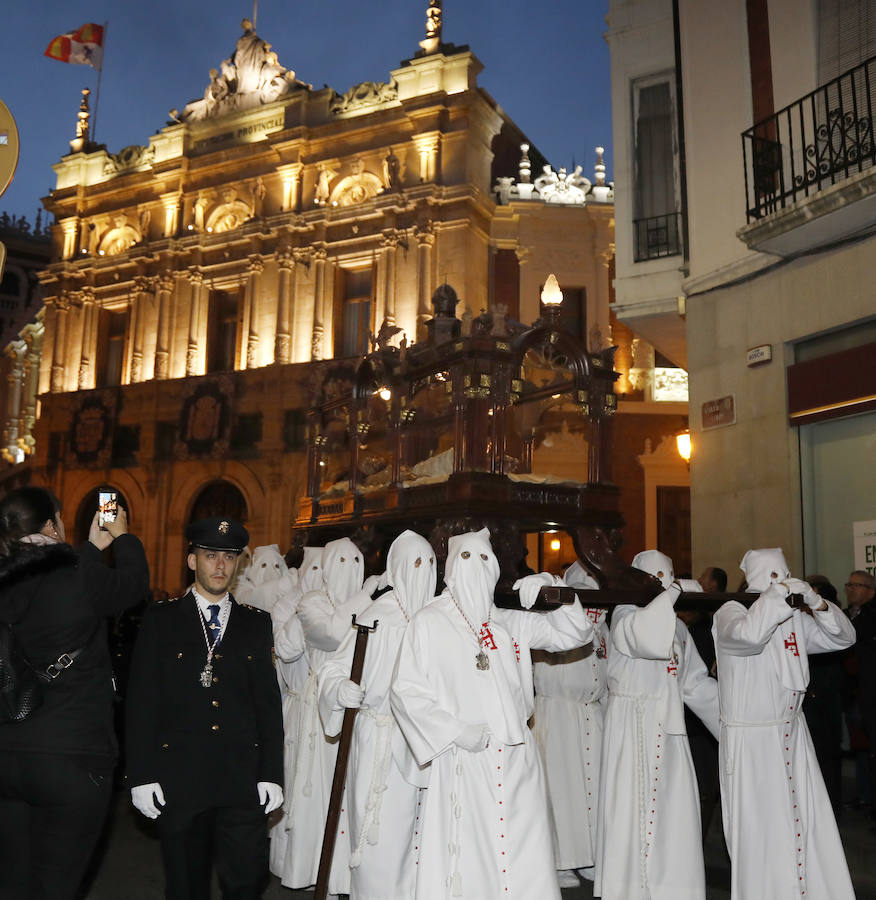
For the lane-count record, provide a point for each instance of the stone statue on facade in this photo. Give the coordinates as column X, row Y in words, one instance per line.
column 252, row 77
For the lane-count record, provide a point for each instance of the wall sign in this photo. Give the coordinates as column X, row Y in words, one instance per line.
column 718, row 413
column 757, row 356
column 864, row 535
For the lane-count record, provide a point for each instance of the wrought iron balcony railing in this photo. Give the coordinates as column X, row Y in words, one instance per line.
column 657, row 236
column 820, row 140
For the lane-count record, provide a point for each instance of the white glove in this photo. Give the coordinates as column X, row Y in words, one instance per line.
column 530, row 585
column 270, row 795
column 474, row 738
column 372, row 582
column 145, row 796
column 797, row 586
column 350, row 694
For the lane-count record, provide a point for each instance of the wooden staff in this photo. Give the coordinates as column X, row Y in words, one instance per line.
column 337, row 794
column 550, row 597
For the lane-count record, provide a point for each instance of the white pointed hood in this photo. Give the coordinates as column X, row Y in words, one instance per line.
column 471, row 573
column 411, row 571
column 657, row 564
column 578, row 577
column 267, row 565
column 310, row 570
column 343, row 569
column 764, row 567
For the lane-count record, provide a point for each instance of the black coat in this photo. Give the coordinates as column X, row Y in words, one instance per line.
column 57, row 603
column 204, row 746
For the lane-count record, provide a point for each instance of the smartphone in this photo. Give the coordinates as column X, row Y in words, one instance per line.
column 107, row 506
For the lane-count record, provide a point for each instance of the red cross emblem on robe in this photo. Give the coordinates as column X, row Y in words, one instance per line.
column 594, row 614
column 791, row 644
column 486, row 636
column 517, row 650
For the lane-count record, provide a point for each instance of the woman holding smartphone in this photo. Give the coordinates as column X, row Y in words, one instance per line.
column 56, row 764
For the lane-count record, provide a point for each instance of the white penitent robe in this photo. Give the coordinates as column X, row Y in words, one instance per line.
column 649, row 843
column 382, row 805
column 384, row 783
column 325, row 616
column 486, row 828
column 570, row 693
column 778, row 822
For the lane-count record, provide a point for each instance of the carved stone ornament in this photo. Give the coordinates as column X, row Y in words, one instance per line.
column 129, row 159
column 356, row 187
column 560, row 187
column 364, row 96
column 119, row 238
column 251, row 78
column 230, row 214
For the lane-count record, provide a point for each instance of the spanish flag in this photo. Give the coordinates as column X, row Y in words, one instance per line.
column 84, row 46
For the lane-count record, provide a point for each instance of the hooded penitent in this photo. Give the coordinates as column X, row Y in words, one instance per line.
column 411, row 572
column 472, row 572
column 267, row 579
column 657, row 564
column 343, row 569
column 267, row 565
column 763, row 569
column 310, row 570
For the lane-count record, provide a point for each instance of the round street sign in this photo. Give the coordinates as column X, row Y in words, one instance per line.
column 8, row 147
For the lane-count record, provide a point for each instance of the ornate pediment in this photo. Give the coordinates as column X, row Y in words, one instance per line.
column 364, row 96
column 251, row 78
column 118, row 238
column 231, row 213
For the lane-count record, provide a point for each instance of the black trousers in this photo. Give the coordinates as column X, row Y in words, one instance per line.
column 236, row 837
column 52, row 809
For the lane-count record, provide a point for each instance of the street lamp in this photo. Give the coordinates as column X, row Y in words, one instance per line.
column 683, row 445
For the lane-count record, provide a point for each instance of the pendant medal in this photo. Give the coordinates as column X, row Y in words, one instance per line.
column 600, row 653
column 483, row 661
column 207, row 675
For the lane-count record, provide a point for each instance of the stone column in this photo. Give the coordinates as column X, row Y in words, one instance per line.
column 62, row 306
column 251, row 308
column 425, row 242
column 390, row 250
column 291, row 178
column 170, row 202
column 283, row 334
column 10, row 451
column 27, row 417
column 196, row 279
column 319, row 257
column 90, row 313
column 139, row 298
column 164, row 285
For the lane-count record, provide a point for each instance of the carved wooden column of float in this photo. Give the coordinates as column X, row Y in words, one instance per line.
column 251, row 302
column 164, row 292
column 283, row 338
column 196, row 278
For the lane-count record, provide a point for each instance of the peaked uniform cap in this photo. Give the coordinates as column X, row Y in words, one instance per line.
column 218, row 533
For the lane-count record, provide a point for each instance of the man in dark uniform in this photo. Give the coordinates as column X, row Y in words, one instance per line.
column 204, row 725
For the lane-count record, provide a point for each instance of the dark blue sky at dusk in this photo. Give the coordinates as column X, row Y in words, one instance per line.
column 546, row 65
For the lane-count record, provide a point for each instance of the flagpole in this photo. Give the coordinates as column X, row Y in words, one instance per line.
column 99, row 76
column 255, row 14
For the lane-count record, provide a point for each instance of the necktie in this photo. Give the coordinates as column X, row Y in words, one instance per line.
column 213, row 624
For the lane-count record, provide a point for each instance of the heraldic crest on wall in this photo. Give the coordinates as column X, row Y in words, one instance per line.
column 205, row 419
column 91, row 431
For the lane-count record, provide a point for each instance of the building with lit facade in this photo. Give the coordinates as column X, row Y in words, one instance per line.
column 744, row 157
column 204, row 286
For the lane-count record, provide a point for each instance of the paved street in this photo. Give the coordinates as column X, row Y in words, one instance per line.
column 130, row 868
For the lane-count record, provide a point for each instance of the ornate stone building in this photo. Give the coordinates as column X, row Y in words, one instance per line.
column 203, row 284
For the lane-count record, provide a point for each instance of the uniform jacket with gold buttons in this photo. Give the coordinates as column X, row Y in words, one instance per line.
column 204, row 745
